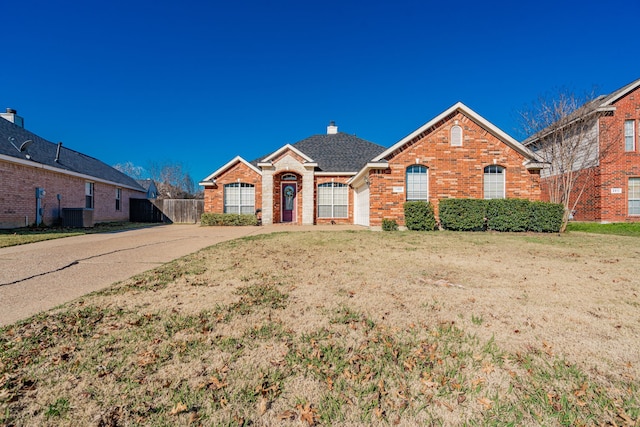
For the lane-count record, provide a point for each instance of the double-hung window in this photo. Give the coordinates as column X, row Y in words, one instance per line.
column 417, row 183
column 634, row 196
column 333, row 200
column 629, row 135
column 239, row 198
column 118, row 199
column 494, row 182
column 88, row 195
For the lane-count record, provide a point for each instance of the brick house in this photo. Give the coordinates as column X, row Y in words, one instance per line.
column 39, row 179
column 609, row 184
column 302, row 183
column 339, row 178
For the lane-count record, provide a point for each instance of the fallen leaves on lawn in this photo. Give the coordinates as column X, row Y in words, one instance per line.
column 308, row 414
column 178, row 409
column 485, row 402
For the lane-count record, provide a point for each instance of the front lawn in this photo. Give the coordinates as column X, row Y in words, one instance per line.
column 344, row 328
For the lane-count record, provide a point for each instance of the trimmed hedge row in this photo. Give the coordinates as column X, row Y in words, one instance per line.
column 419, row 216
column 228, row 219
column 500, row 215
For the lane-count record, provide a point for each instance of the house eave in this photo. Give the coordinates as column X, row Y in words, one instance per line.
column 226, row 166
column 284, row 148
column 37, row 165
column 321, row 173
column 530, row 165
column 459, row 106
column 362, row 173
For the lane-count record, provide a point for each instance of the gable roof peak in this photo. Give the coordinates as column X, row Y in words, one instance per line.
column 458, row 106
column 616, row 95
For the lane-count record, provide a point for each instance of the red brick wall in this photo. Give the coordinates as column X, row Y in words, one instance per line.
column 586, row 191
column 453, row 172
column 240, row 172
column 18, row 200
column 617, row 165
column 322, row 180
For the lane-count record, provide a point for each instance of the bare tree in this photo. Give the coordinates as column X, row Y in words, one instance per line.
column 564, row 131
column 173, row 181
column 132, row 170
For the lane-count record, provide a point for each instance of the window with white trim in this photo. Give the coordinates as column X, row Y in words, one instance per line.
column 456, row 136
column 333, row 200
column 118, row 199
column 494, row 182
column 88, row 195
column 634, row 196
column 630, row 135
column 417, row 183
column 239, row 198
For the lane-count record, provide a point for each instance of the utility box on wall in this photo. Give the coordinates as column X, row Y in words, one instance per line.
column 77, row 217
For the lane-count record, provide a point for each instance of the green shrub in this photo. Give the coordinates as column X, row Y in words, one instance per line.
column 228, row 219
column 419, row 216
column 508, row 214
column 545, row 217
column 389, row 225
column 463, row 214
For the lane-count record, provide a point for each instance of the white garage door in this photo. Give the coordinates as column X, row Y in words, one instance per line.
column 362, row 205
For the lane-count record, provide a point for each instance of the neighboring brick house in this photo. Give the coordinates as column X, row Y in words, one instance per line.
column 39, row 179
column 609, row 184
column 339, row 178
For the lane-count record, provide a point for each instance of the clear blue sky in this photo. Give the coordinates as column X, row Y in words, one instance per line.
column 199, row 82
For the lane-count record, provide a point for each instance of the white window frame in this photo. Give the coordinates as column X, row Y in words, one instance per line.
column 118, row 199
column 333, row 200
column 417, row 182
column 89, row 195
column 493, row 187
column 633, row 191
column 239, row 198
column 456, row 136
column 629, row 135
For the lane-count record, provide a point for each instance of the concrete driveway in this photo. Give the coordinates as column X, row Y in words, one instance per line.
column 40, row 276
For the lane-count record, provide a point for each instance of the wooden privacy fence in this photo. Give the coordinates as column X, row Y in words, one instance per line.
column 183, row 210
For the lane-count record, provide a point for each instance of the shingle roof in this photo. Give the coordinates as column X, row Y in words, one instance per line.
column 44, row 152
column 339, row 152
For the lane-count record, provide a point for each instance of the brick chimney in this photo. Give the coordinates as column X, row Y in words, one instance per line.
column 332, row 129
column 13, row 117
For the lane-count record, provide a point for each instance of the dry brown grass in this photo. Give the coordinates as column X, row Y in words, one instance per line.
column 345, row 328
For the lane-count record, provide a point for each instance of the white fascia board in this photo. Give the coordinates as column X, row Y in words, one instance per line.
column 226, row 166
column 624, row 91
column 283, row 149
column 535, row 165
column 36, row 165
column 362, row 172
column 459, row 106
column 334, row 173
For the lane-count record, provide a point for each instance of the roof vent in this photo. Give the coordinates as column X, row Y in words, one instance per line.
column 332, row 129
column 13, row 117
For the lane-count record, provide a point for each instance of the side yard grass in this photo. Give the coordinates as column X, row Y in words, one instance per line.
column 344, row 328
column 21, row 236
column 617, row 228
